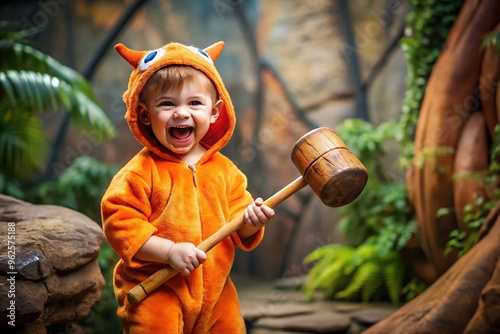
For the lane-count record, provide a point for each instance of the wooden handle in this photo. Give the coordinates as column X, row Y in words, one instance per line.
column 142, row 290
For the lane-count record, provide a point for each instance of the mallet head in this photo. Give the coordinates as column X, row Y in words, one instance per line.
column 334, row 173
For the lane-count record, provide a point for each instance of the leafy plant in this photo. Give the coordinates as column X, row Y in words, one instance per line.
column 427, row 26
column 382, row 210
column 377, row 225
column 381, row 218
column 492, row 39
column 33, row 83
column 80, row 187
column 355, row 272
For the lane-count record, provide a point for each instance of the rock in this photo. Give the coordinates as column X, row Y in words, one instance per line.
column 72, row 295
column 275, row 310
column 290, row 283
column 29, row 297
column 270, row 331
column 372, row 314
column 269, row 310
column 325, row 322
column 346, row 307
column 48, row 264
column 30, row 264
column 68, row 239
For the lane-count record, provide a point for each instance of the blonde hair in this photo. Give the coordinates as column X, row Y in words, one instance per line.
column 174, row 77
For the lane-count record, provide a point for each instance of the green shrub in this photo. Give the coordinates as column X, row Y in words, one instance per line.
column 380, row 222
column 377, row 225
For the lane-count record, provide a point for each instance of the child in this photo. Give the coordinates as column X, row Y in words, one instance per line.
column 176, row 192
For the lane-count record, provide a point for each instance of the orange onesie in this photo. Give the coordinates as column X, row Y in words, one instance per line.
column 156, row 193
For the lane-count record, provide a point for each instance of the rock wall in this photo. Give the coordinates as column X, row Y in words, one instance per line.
column 307, row 58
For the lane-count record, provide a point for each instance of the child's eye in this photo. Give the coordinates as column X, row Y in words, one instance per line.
column 151, row 58
column 195, row 103
column 166, row 104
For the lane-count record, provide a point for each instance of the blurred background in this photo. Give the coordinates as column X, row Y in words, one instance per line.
column 359, row 67
column 289, row 67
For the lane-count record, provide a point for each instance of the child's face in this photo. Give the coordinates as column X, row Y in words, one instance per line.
column 180, row 118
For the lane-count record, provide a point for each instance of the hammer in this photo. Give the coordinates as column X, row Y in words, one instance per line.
column 325, row 163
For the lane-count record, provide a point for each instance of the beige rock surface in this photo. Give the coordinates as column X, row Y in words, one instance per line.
column 49, row 269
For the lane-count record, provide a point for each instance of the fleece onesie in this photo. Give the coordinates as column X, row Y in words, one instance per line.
column 156, row 193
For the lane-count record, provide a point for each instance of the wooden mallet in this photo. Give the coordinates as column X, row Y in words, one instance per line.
column 325, row 163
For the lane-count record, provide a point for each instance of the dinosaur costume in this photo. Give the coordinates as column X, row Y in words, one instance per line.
column 156, row 193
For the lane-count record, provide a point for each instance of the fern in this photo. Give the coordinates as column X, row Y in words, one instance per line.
column 344, row 272
column 367, row 278
column 327, row 273
column 393, row 273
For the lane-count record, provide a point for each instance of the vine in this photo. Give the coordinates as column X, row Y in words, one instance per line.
column 427, row 26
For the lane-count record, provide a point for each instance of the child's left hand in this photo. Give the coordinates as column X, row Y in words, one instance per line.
column 257, row 214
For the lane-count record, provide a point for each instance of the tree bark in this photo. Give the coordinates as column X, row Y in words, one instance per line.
column 464, row 298
column 488, row 85
column 471, row 159
column 449, row 100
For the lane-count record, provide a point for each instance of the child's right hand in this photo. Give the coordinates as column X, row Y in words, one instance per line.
column 185, row 257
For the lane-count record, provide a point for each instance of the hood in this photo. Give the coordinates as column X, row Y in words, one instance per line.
column 145, row 63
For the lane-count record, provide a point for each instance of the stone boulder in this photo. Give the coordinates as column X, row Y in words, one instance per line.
column 49, row 273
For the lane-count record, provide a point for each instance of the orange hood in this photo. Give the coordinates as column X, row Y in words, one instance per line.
column 145, row 63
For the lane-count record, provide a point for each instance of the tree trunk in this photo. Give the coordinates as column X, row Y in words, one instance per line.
column 449, row 100
column 466, row 297
column 471, row 159
column 488, row 86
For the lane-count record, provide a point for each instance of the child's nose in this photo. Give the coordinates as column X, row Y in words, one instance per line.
column 181, row 112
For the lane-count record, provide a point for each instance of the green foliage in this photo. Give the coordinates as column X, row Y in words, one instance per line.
column 377, row 225
column 427, row 26
column 492, row 39
column 430, row 155
column 382, row 210
column 413, row 288
column 23, row 145
column 346, row 272
column 80, row 187
column 380, row 222
column 32, row 83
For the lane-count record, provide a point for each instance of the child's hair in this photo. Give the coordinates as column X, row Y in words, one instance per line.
column 174, row 76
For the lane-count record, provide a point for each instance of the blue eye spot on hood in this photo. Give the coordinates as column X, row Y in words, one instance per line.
column 151, row 58
column 202, row 53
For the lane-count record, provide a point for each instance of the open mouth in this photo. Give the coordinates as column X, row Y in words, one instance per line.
column 181, row 132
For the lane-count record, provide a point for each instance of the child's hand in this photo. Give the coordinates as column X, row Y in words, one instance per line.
column 257, row 214
column 185, row 257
